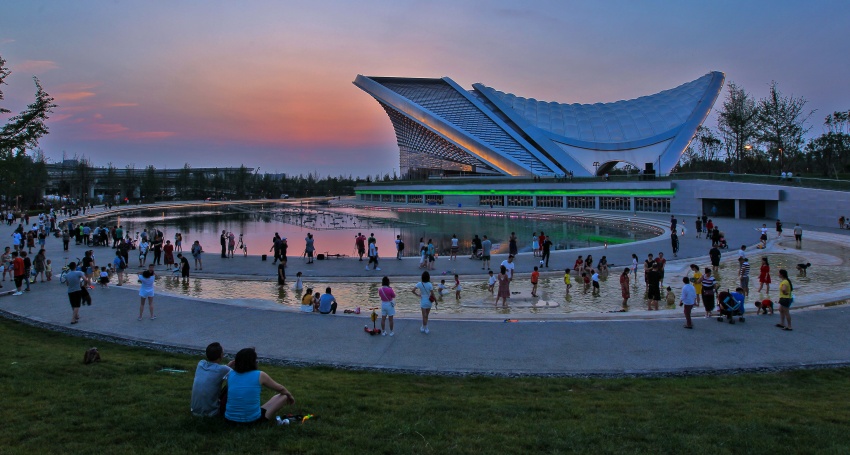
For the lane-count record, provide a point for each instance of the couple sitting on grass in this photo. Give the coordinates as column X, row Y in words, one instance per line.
column 239, row 400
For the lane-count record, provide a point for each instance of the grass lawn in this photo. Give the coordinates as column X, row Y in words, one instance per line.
column 52, row 403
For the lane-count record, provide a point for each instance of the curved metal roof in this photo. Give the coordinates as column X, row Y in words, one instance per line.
column 658, row 117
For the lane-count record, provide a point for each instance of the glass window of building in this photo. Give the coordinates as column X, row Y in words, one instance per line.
column 520, row 201
column 398, row 198
column 414, row 199
column 434, row 200
column 496, row 201
column 550, row 201
column 652, row 204
column 614, row 203
column 581, row 202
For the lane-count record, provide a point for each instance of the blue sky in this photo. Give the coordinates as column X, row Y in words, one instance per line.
column 268, row 84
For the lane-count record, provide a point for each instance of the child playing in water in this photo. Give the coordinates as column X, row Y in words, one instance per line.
column 586, row 280
column 670, row 298
column 491, row 282
column 299, row 285
column 594, row 278
column 567, row 281
column 457, row 287
column 48, row 270
column 535, row 275
column 442, row 289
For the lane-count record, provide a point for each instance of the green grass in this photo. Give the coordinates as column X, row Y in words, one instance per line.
column 52, row 403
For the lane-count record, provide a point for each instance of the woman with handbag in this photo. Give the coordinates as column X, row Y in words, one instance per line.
column 425, row 291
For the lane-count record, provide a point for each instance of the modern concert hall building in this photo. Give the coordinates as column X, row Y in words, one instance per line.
column 445, row 130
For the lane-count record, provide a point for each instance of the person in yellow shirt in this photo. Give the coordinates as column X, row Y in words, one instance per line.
column 785, row 292
column 567, row 280
column 696, row 275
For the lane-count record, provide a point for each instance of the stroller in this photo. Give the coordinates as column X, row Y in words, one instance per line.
column 730, row 307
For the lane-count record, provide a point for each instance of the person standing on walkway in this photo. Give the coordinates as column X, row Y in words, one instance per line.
column 689, row 297
column 146, row 278
column 486, row 247
column 454, row 248
column 699, row 227
column 223, row 241
column 387, row 296
column 535, row 244
column 744, row 275
column 778, row 229
column 786, row 290
column 196, row 253
column 360, row 245
column 74, row 279
column 119, row 265
column 708, row 287
column 798, row 235
column 168, row 251
column 674, row 243
column 714, row 254
column 373, row 256
column 399, row 247
column 431, row 252
column 504, row 286
column 425, row 291
column 309, row 247
column 653, row 287
column 512, row 245
column 547, row 248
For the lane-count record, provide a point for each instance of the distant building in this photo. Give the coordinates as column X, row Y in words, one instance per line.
column 443, row 129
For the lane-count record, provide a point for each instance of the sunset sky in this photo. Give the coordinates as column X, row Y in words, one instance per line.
column 268, row 84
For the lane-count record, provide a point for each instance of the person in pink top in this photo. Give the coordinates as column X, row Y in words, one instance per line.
column 387, row 295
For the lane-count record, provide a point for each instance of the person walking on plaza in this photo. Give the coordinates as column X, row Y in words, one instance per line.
column 674, row 243
column 425, row 291
column 708, row 287
column 798, row 235
column 223, row 241
column 146, row 278
column 786, row 290
column 399, row 247
column 689, row 297
column 778, row 228
column 360, row 245
column 373, row 256
column 73, row 280
column 454, row 248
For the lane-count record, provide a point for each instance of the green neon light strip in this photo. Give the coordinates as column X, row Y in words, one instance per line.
column 483, row 192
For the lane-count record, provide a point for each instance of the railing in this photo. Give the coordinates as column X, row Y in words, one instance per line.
column 802, row 182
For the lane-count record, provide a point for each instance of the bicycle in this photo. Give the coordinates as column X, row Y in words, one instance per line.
column 65, row 270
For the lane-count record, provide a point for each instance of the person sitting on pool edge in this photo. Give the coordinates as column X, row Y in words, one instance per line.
column 327, row 303
column 245, row 383
column 209, row 399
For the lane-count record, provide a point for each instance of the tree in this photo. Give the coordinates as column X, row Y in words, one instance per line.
column 703, row 153
column 781, row 124
column 19, row 133
column 830, row 152
column 738, row 122
column 150, row 186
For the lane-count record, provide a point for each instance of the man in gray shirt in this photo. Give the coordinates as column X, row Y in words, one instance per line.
column 75, row 290
column 486, row 245
column 209, row 399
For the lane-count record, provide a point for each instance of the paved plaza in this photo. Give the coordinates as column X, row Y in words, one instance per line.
column 637, row 342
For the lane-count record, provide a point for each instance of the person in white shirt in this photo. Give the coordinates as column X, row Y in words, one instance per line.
column 689, row 297
column 509, row 264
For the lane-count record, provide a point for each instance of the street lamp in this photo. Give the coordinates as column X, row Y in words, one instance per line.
column 747, row 147
column 596, row 167
column 780, row 159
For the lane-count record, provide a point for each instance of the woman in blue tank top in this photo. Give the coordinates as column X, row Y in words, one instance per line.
column 243, row 391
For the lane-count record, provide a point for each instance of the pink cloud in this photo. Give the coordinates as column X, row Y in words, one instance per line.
column 122, row 104
column 73, row 96
column 36, row 66
column 107, row 130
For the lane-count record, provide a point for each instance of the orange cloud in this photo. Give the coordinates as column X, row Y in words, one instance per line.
column 73, row 96
column 122, row 104
column 36, row 66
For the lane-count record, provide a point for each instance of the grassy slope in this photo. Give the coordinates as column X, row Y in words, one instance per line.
column 52, row 403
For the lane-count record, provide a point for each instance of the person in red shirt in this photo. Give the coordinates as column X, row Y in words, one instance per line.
column 535, row 276
column 20, row 272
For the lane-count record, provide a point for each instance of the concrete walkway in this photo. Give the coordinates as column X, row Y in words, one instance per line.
column 631, row 343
